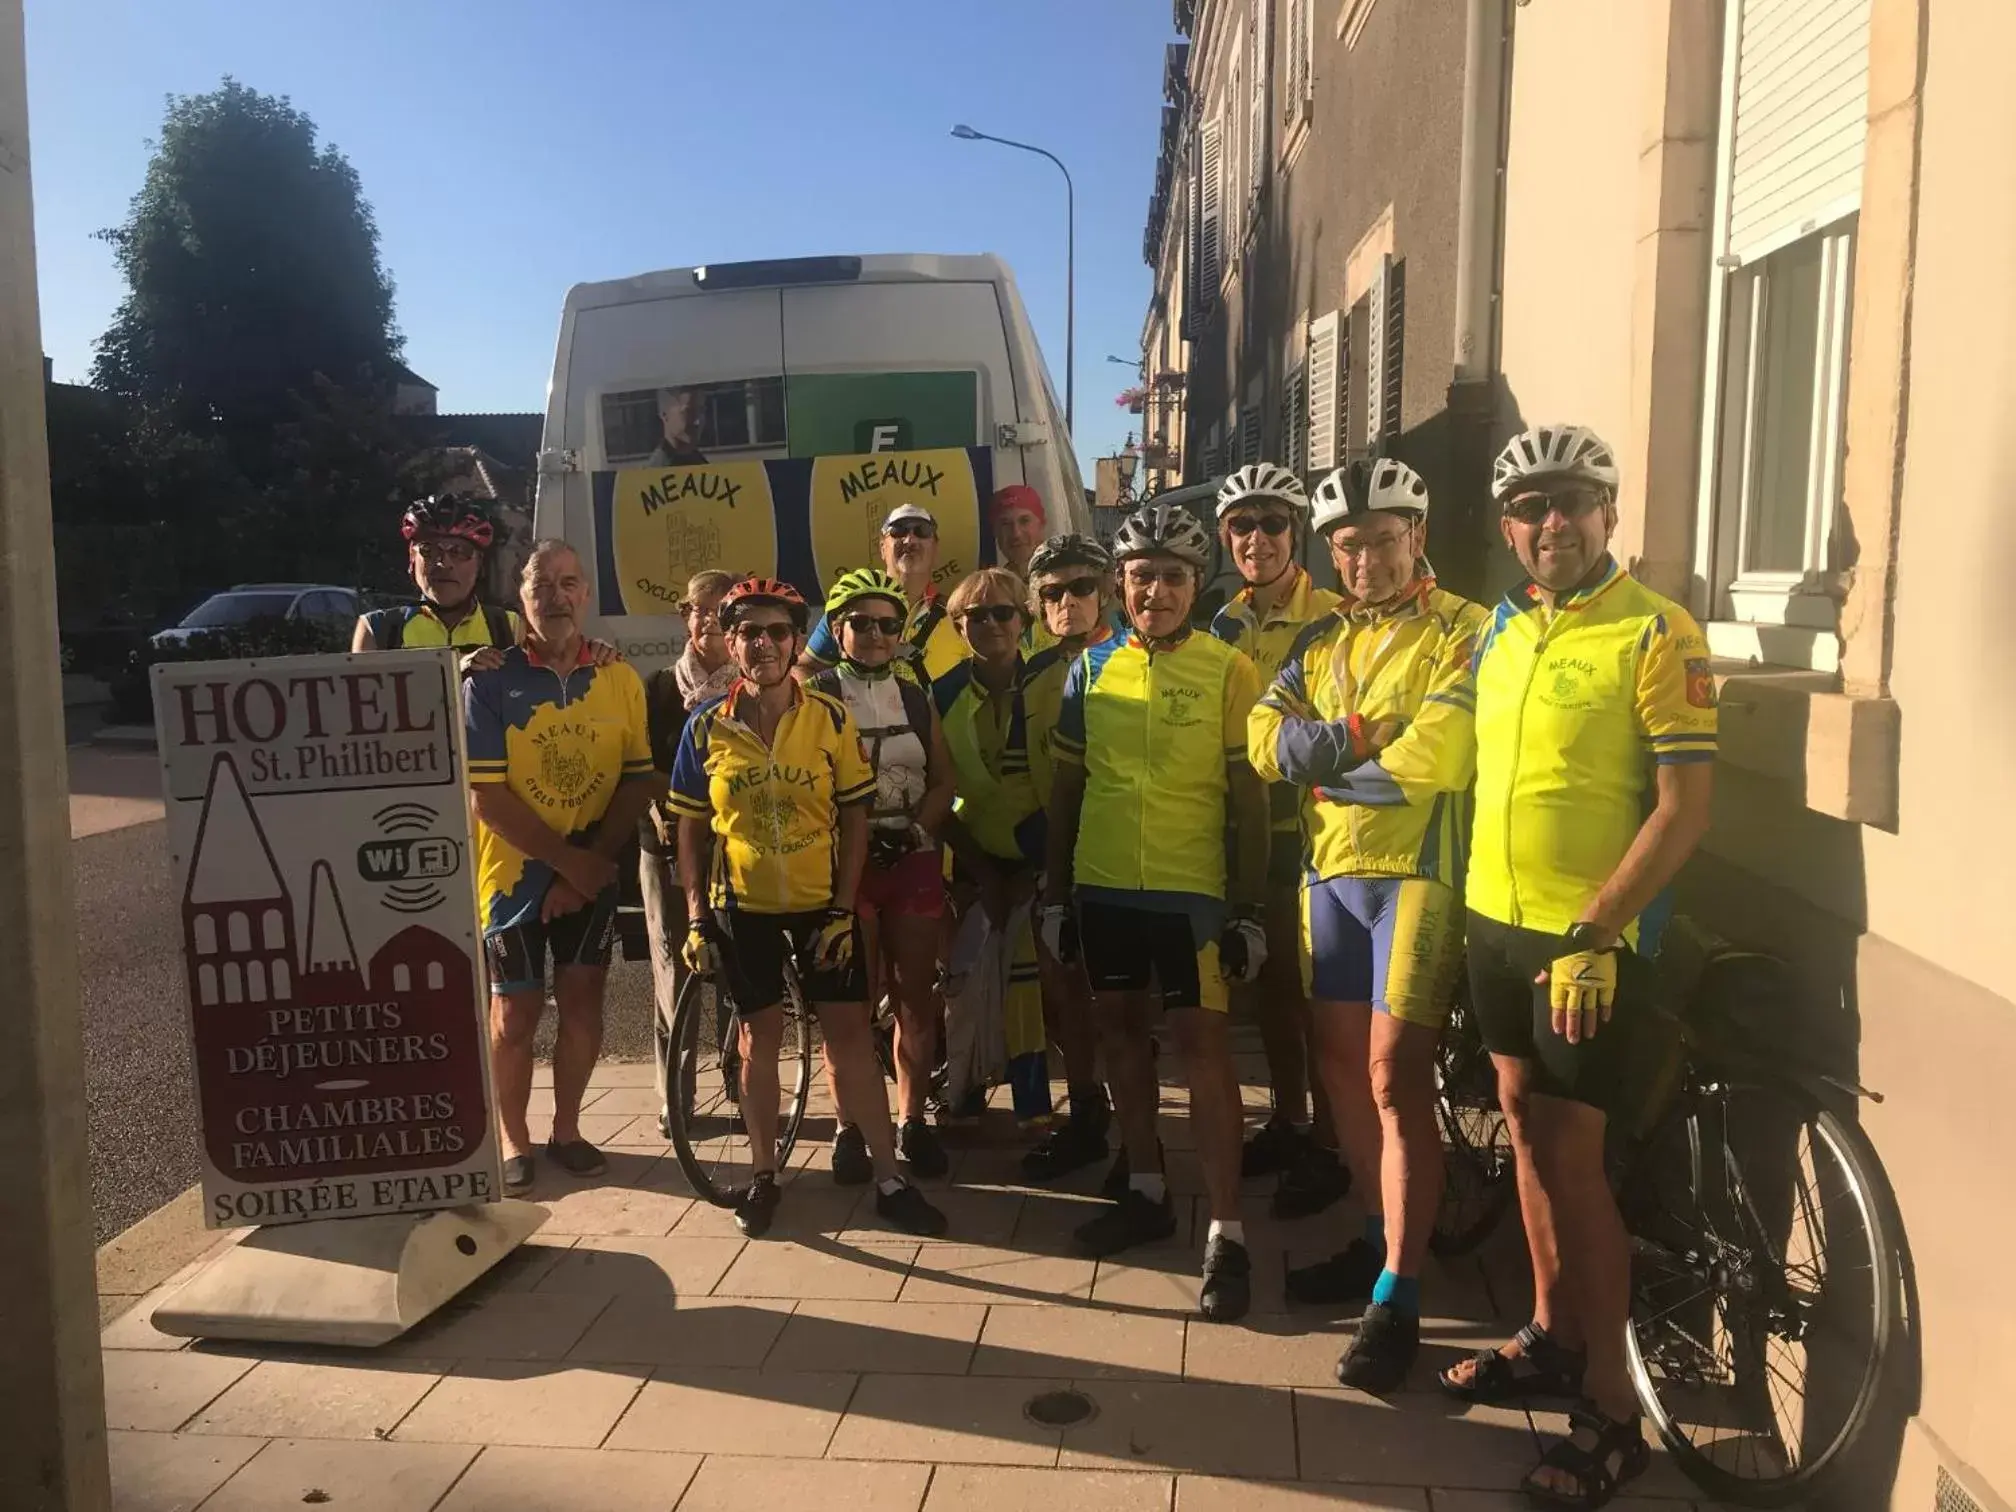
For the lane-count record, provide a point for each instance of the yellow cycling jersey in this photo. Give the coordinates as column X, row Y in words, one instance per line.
column 1268, row 641
column 1405, row 813
column 416, row 627
column 561, row 741
column 773, row 808
column 1575, row 706
column 993, row 738
column 934, row 643
column 1157, row 733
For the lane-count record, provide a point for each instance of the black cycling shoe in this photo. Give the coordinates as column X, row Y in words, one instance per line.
column 1346, row 1276
column 757, row 1205
column 906, row 1209
column 1113, row 1185
column 1228, row 1281
column 851, row 1163
column 1070, row 1146
column 1272, row 1148
column 1135, row 1219
column 1311, row 1183
column 1382, row 1354
column 917, row 1142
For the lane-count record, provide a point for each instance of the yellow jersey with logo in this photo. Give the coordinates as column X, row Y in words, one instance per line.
column 1267, row 640
column 1407, row 812
column 994, row 738
column 418, row 628
column 773, row 808
column 934, row 643
column 1158, row 733
column 561, row 739
column 1575, row 707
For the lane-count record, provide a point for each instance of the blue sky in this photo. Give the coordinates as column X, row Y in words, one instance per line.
column 512, row 148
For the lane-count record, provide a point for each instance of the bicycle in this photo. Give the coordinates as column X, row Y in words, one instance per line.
column 704, row 1072
column 1478, row 1176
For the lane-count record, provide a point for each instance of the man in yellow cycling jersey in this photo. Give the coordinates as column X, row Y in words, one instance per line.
column 447, row 539
column 1151, row 768
column 560, row 772
column 772, row 789
column 1261, row 511
column 909, row 554
column 1370, row 716
column 1596, row 734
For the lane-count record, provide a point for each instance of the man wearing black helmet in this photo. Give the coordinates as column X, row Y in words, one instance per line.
column 446, row 541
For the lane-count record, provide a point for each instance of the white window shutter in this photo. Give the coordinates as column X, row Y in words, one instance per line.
column 1375, row 352
column 1211, row 200
column 1295, row 46
column 1801, row 121
column 1249, row 433
column 1295, row 420
column 1258, row 35
column 1325, row 370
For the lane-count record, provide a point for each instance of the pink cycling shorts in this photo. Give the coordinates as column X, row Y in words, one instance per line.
column 914, row 885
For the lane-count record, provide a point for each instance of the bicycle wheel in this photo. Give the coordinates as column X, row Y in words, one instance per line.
column 1478, row 1181
column 1765, row 1291
column 705, row 1087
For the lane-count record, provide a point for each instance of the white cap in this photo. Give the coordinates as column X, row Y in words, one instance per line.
column 909, row 512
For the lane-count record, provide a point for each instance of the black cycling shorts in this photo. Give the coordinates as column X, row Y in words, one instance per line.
column 1125, row 949
column 585, row 937
column 1516, row 1018
column 753, row 950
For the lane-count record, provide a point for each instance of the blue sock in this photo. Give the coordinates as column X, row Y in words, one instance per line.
column 1401, row 1293
column 1375, row 1231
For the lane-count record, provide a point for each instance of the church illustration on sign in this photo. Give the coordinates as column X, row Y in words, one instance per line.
column 402, row 1023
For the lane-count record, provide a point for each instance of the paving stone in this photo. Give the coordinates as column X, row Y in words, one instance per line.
column 633, row 1264
column 996, row 1276
column 945, row 1419
column 507, row 1326
column 648, row 1330
column 321, row 1399
column 804, row 1272
column 787, row 1414
column 343, row 1475
column 1414, row 1439
column 919, row 1338
column 1186, row 1426
column 157, row 1392
column 970, row 1488
column 1264, row 1350
column 731, row 1483
column 1082, row 1343
column 172, row 1472
column 520, row 1402
column 1211, row 1493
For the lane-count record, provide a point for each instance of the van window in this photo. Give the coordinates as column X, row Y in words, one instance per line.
column 695, row 422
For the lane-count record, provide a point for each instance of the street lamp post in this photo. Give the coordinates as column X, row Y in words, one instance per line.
column 968, row 134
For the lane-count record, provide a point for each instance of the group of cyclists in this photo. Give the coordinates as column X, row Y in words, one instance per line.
column 1325, row 809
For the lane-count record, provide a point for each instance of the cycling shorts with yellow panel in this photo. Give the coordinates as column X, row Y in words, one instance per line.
column 1393, row 942
column 774, row 808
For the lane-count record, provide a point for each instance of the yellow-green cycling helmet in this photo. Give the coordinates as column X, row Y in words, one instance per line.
column 862, row 582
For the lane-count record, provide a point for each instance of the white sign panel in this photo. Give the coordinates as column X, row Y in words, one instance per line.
column 320, row 841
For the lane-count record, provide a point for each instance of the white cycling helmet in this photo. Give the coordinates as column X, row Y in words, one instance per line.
column 1369, row 485
column 1163, row 530
column 1261, row 480
column 1548, row 453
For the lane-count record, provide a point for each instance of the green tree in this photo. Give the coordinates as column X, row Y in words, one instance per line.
column 251, row 260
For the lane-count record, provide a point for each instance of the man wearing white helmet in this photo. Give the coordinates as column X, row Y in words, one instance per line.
column 1261, row 511
column 1596, row 735
column 1150, row 749
column 1369, row 718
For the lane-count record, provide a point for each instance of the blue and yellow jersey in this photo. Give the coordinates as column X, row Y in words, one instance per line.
column 416, row 627
column 1267, row 643
column 994, row 739
column 1575, row 706
column 1405, row 814
column 561, row 740
column 1158, row 734
column 935, row 644
column 773, row 808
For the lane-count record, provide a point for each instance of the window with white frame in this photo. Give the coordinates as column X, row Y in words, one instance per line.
column 1298, row 76
column 1207, row 263
column 1259, row 42
column 1795, row 93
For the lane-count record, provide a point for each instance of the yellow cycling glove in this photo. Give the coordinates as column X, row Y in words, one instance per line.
column 1584, row 982
column 833, row 943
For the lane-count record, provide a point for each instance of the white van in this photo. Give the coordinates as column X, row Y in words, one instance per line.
column 773, row 362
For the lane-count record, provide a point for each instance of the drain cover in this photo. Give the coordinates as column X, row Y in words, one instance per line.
column 1060, row 1409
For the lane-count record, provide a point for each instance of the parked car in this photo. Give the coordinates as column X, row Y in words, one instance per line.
column 314, row 603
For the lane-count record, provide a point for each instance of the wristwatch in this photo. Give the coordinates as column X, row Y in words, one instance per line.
column 1588, row 936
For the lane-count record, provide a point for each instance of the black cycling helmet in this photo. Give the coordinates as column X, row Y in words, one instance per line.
column 444, row 516
column 1073, row 549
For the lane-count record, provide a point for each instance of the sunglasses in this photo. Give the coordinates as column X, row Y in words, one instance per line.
column 1174, row 576
column 1268, row 525
column 880, row 624
column 456, row 552
column 777, row 635
column 999, row 614
column 1056, row 593
column 1573, row 503
column 919, row 528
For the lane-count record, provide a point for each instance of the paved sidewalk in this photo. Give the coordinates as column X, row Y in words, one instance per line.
column 637, row 1354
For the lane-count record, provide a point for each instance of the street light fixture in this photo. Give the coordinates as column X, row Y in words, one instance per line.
column 966, row 133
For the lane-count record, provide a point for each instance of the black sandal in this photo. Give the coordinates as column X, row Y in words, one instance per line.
column 1620, row 1454
column 1542, row 1368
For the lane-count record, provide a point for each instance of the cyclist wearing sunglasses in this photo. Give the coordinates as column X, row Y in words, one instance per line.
column 1071, row 595
column 1151, row 771
column 1261, row 511
column 1596, row 738
column 448, row 540
column 773, row 793
column 909, row 545
column 902, row 894
column 1369, row 719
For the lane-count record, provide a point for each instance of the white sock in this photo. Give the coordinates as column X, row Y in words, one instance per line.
column 1150, row 1184
column 1233, row 1229
column 890, row 1186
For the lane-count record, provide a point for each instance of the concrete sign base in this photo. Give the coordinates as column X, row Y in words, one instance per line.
column 359, row 1281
